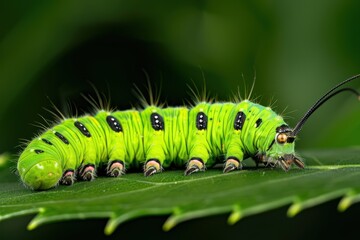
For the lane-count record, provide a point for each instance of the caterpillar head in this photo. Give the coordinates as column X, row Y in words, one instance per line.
column 281, row 150
column 39, row 171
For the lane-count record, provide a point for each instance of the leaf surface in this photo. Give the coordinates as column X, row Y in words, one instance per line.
column 329, row 174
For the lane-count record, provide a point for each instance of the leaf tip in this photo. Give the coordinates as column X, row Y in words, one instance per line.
column 112, row 224
column 36, row 221
column 110, row 227
column 294, row 209
column 169, row 223
column 235, row 216
column 172, row 221
column 32, row 225
column 344, row 204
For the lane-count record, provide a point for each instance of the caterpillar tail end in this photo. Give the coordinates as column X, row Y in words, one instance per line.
column 42, row 175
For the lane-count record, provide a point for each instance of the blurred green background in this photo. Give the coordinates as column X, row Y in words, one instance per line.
column 53, row 49
column 297, row 49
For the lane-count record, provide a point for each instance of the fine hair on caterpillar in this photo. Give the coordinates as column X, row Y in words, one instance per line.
column 155, row 138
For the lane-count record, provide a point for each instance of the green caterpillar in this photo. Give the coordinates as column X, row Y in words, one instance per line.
column 157, row 138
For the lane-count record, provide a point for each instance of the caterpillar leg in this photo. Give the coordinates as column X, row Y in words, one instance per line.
column 286, row 161
column 197, row 164
column 151, row 167
column 115, row 168
column 198, row 146
column 234, row 153
column 87, row 172
column 198, row 152
column 232, row 164
column 68, row 177
column 194, row 165
column 298, row 163
column 154, row 142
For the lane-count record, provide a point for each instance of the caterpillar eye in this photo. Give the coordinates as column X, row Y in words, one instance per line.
column 281, row 138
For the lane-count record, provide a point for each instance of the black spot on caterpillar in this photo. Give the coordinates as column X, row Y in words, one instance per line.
column 114, row 123
column 46, row 141
column 258, row 123
column 82, row 129
column 59, row 135
column 158, row 137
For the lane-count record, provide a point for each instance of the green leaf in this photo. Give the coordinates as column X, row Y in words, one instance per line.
column 328, row 175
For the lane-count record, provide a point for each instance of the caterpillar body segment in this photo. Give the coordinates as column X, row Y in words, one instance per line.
column 154, row 138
